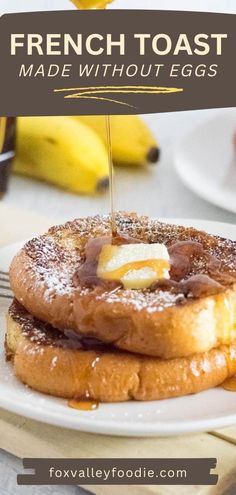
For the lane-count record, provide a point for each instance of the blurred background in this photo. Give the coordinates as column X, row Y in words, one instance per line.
column 194, row 177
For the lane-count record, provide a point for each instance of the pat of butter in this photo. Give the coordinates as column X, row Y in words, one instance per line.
column 137, row 266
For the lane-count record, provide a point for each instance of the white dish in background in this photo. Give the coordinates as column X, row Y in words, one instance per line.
column 206, row 411
column 206, row 160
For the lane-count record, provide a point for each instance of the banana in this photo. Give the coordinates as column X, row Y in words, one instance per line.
column 90, row 4
column 61, row 151
column 132, row 141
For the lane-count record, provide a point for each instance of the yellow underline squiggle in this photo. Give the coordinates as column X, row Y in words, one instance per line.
column 88, row 92
column 99, row 98
column 147, row 88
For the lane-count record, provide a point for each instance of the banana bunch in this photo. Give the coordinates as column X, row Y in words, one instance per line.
column 72, row 152
column 63, row 152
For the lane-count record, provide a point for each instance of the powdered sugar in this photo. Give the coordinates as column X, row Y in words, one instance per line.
column 151, row 302
column 53, row 259
column 51, row 266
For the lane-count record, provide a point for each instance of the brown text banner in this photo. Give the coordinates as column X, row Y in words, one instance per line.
column 116, row 62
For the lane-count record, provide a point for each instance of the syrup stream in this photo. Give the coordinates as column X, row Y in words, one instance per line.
column 88, row 405
column 111, row 176
column 230, row 384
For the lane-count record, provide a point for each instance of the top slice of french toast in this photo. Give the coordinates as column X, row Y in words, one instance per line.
column 154, row 321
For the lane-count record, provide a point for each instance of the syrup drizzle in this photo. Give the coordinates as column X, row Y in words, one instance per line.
column 83, row 405
column 230, row 384
column 111, row 177
column 86, row 404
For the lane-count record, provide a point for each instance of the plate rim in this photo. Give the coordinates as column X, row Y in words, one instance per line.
column 211, row 196
column 127, row 429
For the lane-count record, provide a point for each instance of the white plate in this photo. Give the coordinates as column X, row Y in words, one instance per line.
column 206, row 411
column 206, row 160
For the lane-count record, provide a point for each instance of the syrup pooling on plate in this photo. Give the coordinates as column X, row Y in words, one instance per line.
column 83, row 405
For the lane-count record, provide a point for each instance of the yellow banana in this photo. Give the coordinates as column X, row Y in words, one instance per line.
column 61, row 151
column 90, row 4
column 132, row 141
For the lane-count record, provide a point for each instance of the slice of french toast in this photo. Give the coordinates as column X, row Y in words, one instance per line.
column 73, row 367
column 194, row 311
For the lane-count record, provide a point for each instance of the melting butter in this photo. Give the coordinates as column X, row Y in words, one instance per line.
column 137, row 266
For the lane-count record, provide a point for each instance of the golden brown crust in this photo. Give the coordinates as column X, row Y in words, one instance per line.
column 158, row 323
column 107, row 375
column 179, row 331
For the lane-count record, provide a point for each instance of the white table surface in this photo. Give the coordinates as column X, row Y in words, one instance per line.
column 156, row 191
column 10, row 466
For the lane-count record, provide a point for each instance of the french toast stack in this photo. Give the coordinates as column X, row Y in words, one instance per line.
column 81, row 339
